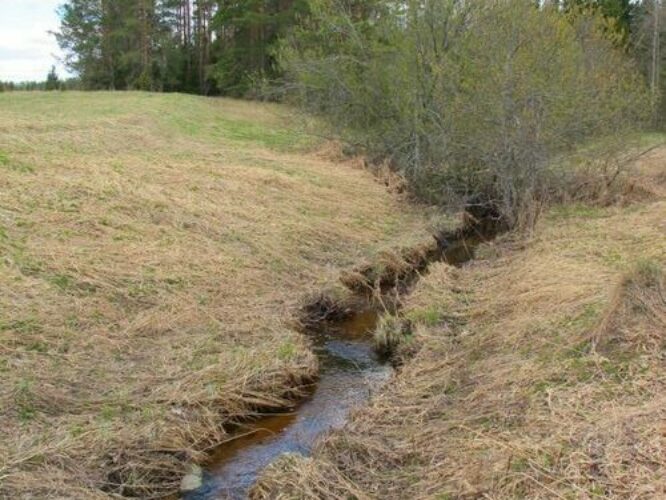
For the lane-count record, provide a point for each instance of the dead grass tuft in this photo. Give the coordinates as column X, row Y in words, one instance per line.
column 616, row 178
column 391, row 268
column 392, row 332
column 324, row 306
column 636, row 315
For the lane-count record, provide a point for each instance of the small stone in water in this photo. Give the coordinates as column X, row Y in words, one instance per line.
column 193, row 479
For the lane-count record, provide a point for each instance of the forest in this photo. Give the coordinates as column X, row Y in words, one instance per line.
column 198, row 46
column 232, row 47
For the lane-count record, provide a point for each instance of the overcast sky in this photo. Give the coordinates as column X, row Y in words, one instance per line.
column 27, row 50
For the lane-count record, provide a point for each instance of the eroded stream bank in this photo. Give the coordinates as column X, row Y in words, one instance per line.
column 351, row 370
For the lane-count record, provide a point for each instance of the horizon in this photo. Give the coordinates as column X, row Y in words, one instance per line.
column 27, row 48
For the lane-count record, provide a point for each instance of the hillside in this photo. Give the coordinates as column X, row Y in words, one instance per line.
column 153, row 250
column 538, row 370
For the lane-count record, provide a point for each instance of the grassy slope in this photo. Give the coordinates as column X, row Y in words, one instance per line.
column 152, row 248
column 541, row 371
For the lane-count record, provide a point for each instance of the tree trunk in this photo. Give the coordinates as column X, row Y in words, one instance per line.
column 654, row 70
column 107, row 48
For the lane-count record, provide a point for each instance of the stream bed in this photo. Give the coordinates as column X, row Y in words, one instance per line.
column 350, row 371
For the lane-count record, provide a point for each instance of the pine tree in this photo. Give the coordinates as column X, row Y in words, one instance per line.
column 52, row 80
column 202, row 46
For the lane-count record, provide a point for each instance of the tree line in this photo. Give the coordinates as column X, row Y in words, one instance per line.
column 231, row 46
column 52, row 82
column 196, row 46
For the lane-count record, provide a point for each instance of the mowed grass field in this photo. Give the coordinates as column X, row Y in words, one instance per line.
column 153, row 249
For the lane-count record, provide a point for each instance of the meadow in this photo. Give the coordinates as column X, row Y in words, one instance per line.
column 153, row 252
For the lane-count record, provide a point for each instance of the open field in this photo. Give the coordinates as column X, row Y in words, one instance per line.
column 152, row 251
column 539, row 370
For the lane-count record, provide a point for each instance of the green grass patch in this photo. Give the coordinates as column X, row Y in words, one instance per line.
column 24, row 400
column 429, row 316
column 583, row 321
column 281, row 139
column 8, row 164
column 287, row 351
column 647, row 272
column 26, row 326
column 62, row 281
column 651, row 139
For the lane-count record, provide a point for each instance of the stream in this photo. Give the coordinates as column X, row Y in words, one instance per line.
column 350, row 372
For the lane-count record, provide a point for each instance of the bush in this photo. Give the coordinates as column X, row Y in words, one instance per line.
column 469, row 100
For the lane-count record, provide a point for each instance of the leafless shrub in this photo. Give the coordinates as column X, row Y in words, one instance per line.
column 469, row 100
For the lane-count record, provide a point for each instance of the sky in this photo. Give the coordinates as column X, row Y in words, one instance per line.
column 27, row 50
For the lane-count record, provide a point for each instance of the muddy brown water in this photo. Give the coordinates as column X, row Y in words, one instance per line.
column 350, row 372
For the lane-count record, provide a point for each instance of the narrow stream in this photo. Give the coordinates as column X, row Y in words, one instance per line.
column 350, row 372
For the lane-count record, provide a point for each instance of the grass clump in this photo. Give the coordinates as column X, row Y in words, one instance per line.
column 636, row 317
column 392, row 332
column 8, row 164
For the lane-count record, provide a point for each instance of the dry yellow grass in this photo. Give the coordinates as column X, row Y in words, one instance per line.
column 152, row 249
column 540, row 372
